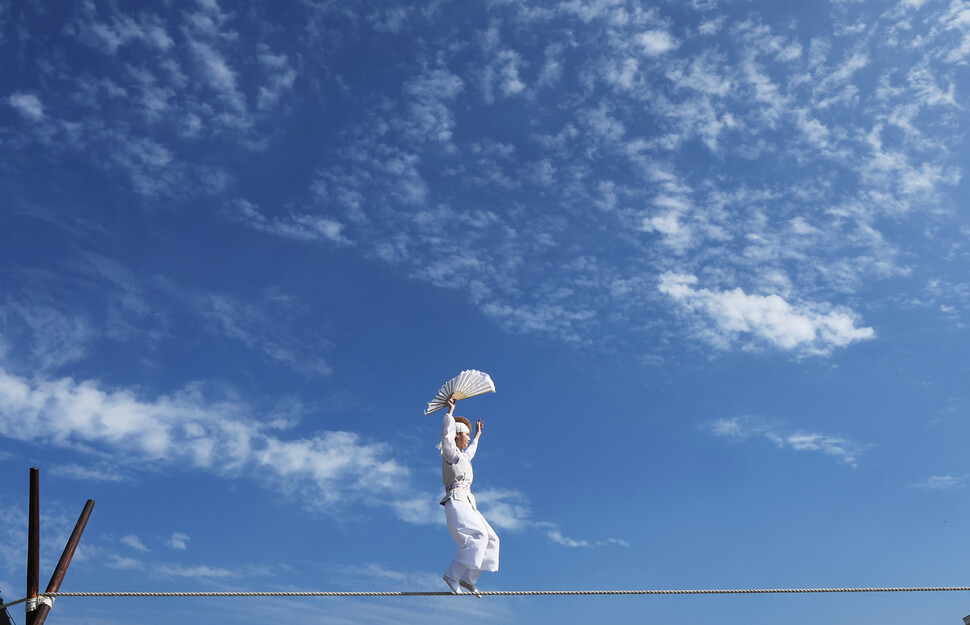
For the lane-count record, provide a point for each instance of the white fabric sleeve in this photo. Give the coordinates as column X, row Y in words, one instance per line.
column 449, row 450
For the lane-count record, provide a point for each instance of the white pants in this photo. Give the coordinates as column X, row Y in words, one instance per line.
column 477, row 542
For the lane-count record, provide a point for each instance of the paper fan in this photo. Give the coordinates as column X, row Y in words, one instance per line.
column 466, row 384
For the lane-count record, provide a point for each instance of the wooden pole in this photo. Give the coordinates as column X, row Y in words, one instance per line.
column 55, row 584
column 5, row 616
column 33, row 545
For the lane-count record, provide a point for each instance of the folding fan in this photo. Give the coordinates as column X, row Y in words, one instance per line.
column 466, row 384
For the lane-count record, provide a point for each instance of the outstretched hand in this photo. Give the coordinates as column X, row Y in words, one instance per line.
column 479, row 426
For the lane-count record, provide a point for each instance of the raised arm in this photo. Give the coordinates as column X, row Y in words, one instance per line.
column 449, row 450
column 473, row 446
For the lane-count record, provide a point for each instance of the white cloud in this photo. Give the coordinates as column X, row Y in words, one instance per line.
column 185, row 429
column 281, row 78
column 958, row 18
column 508, row 509
column 711, row 27
column 766, row 91
column 375, row 575
column 120, row 30
column 928, row 90
column 511, row 84
column 555, row 535
column 790, row 52
column 542, row 317
column 504, row 508
column 420, row 509
column 200, row 572
column 656, row 42
column 429, row 115
column 801, row 227
column 813, row 130
column 589, row 10
column 221, row 77
column 552, row 67
column 841, row 74
column 55, row 339
column 942, row 482
column 603, row 124
column 124, row 563
column 623, row 76
column 704, row 73
column 636, row 101
column 261, row 330
column 740, row 428
column 299, row 226
column 803, row 328
column 102, row 473
column 671, row 222
column 28, row 105
column 134, row 542
column 178, row 541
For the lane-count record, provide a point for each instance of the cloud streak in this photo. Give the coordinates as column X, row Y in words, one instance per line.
column 942, row 483
column 28, row 105
column 187, row 429
column 743, row 428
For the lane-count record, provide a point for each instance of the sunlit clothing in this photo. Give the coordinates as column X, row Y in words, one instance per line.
column 478, row 545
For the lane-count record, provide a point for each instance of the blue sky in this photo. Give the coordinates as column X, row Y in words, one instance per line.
column 713, row 253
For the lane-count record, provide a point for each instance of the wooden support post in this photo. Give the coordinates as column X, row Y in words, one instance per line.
column 33, row 545
column 5, row 616
column 40, row 615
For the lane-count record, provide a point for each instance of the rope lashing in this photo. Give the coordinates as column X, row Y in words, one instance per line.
column 39, row 600
column 506, row 593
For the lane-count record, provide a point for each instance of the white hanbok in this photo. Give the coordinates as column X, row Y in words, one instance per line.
column 478, row 545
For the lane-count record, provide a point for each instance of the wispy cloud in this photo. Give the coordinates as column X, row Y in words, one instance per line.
column 124, row 563
column 942, row 482
column 220, row 76
column 117, row 30
column 301, row 227
column 742, row 428
column 135, row 543
column 508, row 510
column 187, row 429
column 198, row 572
column 430, row 117
column 141, row 308
column 257, row 330
column 178, row 541
column 282, row 76
column 656, row 42
column 728, row 146
column 28, row 105
column 53, row 336
column 101, row 472
column 375, row 575
column 56, row 526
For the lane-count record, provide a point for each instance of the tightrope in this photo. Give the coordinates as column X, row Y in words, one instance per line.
column 505, row 593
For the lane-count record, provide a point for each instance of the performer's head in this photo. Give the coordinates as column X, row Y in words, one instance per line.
column 463, row 435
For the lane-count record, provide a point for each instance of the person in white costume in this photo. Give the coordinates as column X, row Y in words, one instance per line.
column 477, row 542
